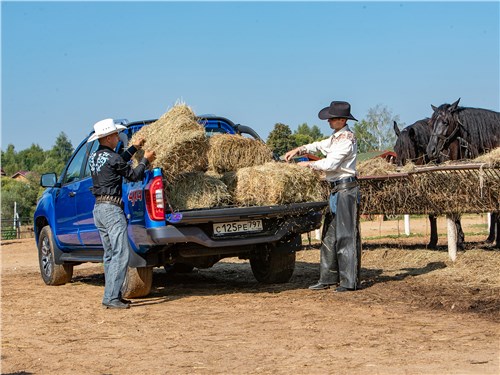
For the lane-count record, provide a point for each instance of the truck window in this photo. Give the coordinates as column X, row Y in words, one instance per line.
column 90, row 149
column 74, row 169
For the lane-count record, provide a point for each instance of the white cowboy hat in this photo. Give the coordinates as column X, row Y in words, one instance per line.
column 105, row 127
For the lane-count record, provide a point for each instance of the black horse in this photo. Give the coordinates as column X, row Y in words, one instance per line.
column 465, row 133
column 462, row 132
column 411, row 144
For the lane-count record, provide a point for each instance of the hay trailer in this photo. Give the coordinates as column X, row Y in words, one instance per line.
column 449, row 190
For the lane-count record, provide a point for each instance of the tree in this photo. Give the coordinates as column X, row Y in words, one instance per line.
column 280, row 139
column 9, row 160
column 380, row 123
column 62, row 149
column 25, row 195
column 313, row 132
column 366, row 140
column 30, row 157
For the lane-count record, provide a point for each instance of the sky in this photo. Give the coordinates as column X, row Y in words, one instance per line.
column 67, row 65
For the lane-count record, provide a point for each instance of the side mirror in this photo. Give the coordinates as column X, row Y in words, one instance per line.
column 48, row 180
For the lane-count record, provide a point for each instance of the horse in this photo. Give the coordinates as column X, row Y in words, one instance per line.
column 465, row 133
column 411, row 145
column 470, row 131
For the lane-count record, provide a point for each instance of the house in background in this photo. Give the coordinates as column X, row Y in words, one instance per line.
column 21, row 176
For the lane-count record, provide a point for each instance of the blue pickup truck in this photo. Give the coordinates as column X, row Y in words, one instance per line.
column 66, row 235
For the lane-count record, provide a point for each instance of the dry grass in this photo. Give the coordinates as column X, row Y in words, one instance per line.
column 431, row 189
column 277, row 183
column 492, row 158
column 228, row 153
column 197, row 190
column 375, row 167
column 179, row 141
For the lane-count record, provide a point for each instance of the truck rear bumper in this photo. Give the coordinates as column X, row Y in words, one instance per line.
column 191, row 234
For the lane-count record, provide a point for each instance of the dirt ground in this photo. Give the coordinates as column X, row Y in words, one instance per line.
column 416, row 313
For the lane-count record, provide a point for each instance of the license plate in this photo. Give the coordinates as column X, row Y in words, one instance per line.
column 236, row 227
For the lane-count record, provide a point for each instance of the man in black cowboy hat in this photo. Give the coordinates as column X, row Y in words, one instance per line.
column 340, row 262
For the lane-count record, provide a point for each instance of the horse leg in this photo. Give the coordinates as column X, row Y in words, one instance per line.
column 496, row 224
column 460, row 232
column 491, row 235
column 434, row 233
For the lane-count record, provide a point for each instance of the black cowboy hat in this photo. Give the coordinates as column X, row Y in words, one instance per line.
column 336, row 110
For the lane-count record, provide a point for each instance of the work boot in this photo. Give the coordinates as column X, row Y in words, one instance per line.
column 320, row 286
column 115, row 304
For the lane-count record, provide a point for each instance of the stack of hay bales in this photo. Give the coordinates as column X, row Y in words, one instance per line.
column 226, row 169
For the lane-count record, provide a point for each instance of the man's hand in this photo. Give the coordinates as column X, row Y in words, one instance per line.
column 306, row 164
column 139, row 142
column 150, row 155
column 290, row 154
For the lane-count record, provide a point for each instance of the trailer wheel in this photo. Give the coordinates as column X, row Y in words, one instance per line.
column 275, row 264
column 138, row 282
column 52, row 273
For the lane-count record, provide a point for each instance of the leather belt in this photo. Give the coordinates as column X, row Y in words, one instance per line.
column 109, row 199
column 345, row 183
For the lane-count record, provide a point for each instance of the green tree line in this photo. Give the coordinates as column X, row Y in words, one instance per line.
column 36, row 161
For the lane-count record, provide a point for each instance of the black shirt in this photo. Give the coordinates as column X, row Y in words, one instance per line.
column 108, row 168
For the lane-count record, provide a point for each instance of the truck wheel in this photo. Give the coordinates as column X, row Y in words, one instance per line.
column 138, row 282
column 52, row 273
column 275, row 264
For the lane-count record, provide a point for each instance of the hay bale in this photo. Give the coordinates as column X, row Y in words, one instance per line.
column 277, row 183
column 375, row 167
column 229, row 152
column 197, row 190
column 179, row 141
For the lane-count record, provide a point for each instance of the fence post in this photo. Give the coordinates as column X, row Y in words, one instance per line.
column 407, row 224
column 452, row 237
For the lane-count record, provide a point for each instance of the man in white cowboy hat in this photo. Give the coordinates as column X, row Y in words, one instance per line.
column 108, row 169
column 340, row 262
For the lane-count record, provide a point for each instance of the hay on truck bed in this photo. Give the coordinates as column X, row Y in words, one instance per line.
column 276, row 183
column 179, row 141
column 241, row 169
column 471, row 186
column 198, row 190
column 230, row 152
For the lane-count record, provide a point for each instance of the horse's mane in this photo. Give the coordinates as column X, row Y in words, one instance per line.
column 480, row 128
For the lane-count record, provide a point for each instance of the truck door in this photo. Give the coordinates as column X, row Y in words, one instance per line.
column 65, row 201
column 89, row 234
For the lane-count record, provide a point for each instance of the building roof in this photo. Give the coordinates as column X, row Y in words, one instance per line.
column 20, row 174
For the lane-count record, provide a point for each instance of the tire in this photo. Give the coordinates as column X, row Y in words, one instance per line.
column 178, row 268
column 275, row 264
column 138, row 282
column 52, row 273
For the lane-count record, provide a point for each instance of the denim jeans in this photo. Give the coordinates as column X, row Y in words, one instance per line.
column 112, row 225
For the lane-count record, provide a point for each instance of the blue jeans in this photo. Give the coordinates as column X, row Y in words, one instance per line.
column 112, row 225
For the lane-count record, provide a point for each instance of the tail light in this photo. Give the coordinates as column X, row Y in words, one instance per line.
column 154, row 199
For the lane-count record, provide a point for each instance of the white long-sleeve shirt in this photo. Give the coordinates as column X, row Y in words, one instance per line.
column 340, row 151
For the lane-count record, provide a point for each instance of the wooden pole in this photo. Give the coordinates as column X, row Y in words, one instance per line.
column 452, row 237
